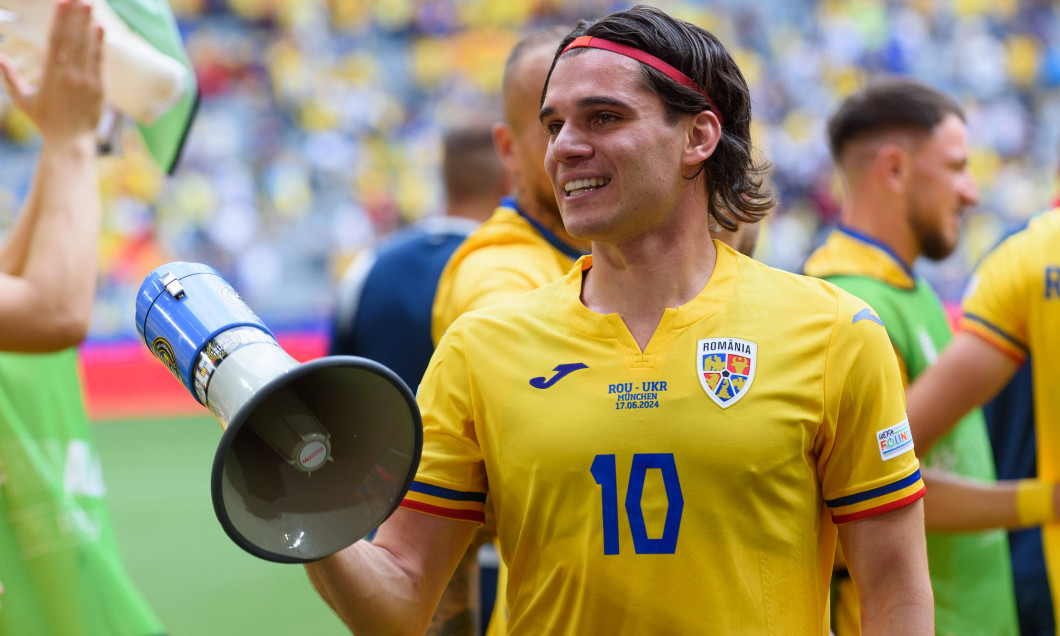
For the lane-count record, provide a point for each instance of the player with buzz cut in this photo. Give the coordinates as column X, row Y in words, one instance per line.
column 636, row 490
column 1010, row 312
column 901, row 148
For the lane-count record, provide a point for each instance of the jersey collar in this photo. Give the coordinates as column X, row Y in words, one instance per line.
column 548, row 235
column 610, row 326
column 848, row 252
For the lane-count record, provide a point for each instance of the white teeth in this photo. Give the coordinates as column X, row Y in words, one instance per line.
column 578, row 185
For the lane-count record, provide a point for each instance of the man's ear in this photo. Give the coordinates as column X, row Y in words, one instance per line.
column 704, row 132
column 504, row 143
column 892, row 165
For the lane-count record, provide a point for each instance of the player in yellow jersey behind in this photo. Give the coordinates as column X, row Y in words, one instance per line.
column 634, row 491
column 1011, row 311
column 521, row 247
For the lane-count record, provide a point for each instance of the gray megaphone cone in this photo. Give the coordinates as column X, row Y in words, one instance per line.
column 313, row 456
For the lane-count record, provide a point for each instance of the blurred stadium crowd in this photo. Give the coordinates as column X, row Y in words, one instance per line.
column 320, row 120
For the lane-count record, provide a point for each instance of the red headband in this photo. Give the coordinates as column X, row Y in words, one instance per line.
column 588, row 41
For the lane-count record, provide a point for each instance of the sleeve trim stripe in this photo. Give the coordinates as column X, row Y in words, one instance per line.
column 447, row 493
column 996, row 330
column 875, row 492
column 449, row 513
column 872, row 512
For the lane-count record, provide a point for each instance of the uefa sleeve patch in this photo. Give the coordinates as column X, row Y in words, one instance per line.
column 895, row 441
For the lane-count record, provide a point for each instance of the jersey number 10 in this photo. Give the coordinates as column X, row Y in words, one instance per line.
column 606, row 475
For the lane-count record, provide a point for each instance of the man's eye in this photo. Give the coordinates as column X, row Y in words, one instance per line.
column 605, row 118
column 553, row 127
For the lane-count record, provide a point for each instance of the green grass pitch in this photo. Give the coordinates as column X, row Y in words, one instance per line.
column 157, row 473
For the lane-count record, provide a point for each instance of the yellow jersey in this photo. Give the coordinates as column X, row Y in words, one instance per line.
column 691, row 485
column 1013, row 303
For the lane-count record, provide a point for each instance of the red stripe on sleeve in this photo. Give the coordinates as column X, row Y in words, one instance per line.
column 448, row 513
column 995, row 342
column 872, row 512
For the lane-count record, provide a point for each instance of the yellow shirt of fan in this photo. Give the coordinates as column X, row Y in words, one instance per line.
column 689, row 488
column 1014, row 304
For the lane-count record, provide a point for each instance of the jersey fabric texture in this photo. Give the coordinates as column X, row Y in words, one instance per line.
column 971, row 575
column 508, row 255
column 385, row 298
column 1013, row 303
column 692, row 485
column 59, row 561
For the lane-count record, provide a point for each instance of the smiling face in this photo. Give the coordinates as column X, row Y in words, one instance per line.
column 615, row 163
column 942, row 188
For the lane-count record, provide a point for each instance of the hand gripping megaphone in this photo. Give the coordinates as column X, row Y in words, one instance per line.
column 313, row 456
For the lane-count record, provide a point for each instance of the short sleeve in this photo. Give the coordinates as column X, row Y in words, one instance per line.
column 995, row 305
column 866, row 461
column 451, row 479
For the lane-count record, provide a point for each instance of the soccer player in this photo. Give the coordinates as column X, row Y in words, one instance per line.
column 1010, row 313
column 901, row 148
column 669, row 431
column 59, row 561
column 386, row 295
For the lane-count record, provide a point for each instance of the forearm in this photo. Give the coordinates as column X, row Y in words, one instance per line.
column 60, row 261
column 392, row 585
column 370, row 590
column 458, row 610
column 967, row 374
column 15, row 247
column 63, row 249
column 959, row 504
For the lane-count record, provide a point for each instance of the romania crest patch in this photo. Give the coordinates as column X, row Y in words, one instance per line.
column 726, row 368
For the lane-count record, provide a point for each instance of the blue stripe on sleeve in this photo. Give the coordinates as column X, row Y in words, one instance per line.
column 875, row 492
column 982, row 321
column 447, row 493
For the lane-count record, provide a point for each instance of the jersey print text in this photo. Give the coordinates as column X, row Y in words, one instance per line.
column 636, row 395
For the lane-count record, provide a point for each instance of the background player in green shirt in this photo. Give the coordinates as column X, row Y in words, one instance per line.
column 902, row 150
column 59, row 562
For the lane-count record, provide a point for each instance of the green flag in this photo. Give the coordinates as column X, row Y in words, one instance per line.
column 153, row 21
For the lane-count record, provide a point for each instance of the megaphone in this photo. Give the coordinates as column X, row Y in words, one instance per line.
column 313, row 456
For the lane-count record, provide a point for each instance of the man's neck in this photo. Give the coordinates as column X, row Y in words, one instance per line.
column 639, row 280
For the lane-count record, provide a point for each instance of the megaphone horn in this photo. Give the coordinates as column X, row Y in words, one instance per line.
column 313, row 456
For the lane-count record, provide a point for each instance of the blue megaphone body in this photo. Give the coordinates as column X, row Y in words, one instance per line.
column 313, row 456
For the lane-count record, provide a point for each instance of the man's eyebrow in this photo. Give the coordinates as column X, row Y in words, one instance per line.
column 586, row 102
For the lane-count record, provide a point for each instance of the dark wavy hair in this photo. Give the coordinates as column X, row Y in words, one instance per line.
column 734, row 179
